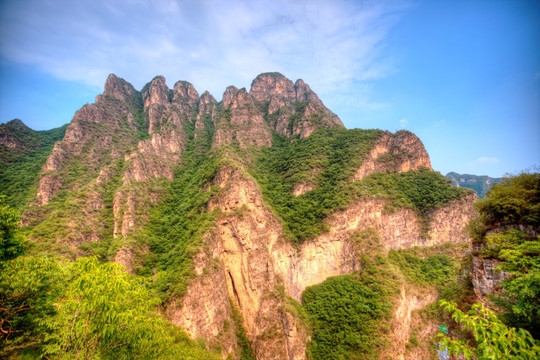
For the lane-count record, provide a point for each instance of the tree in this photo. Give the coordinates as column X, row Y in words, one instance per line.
column 28, row 288
column 507, row 226
column 107, row 314
column 493, row 340
column 12, row 243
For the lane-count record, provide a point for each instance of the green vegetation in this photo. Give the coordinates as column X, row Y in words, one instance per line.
column 176, row 227
column 492, row 339
column 12, row 243
column 326, row 161
column 20, row 165
column 351, row 313
column 82, row 310
column 425, row 269
column 513, row 209
column 514, row 201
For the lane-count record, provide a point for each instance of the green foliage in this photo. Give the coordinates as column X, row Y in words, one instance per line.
column 435, row 269
column 516, row 200
column 175, row 231
column 12, row 243
column 350, row 313
column 105, row 314
column 460, row 290
column 492, row 339
column 246, row 351
column 20, row 166
column 28, row 289
column 327, row 159
column 84, row 310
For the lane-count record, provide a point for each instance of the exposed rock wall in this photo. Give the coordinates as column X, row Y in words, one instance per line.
column 401, row 152
column 243, row 123
column 241, row 243
column 253, row 260
column 402, row 323
column 292, row 109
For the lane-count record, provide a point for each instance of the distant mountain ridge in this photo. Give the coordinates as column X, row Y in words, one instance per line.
column 479, row 183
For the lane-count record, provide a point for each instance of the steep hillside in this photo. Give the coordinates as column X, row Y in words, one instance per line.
column 23, row 152
column 243, row 213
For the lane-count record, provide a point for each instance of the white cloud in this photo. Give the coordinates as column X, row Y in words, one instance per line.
column 330, row 44
column 403, row 123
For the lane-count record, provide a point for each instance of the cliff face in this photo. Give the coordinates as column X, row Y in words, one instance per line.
column 402, row 151
column 119, row 155
column 254, row 260
column 485, row 276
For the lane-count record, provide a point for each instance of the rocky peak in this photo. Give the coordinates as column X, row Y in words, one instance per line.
column 304, row 93
column 17, row 124
column 9, row 132
column 267, row 85
column 207, row 98
column 241, row 98
column 185, row 91
column 228, row 95
column 156, row 92
column 244, row 123
column 119, row 88
column 207, row 103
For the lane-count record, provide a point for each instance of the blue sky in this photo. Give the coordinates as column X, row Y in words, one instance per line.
column 463, row 75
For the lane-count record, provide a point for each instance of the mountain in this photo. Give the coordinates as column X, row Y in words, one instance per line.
column 266, row 227
column 480, row 184
column 23, row 152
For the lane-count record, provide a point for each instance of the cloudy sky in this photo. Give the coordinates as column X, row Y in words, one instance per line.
column 463, row 75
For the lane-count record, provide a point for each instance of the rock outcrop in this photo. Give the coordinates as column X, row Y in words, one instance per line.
column 401, row 152
column 242, row 123
column 292, row 109
column 486, row 276
column 170, row 112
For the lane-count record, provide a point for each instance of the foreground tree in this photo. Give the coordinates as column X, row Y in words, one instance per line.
column 493, row 340
column 508, row 226
column 28, row 289
column 106, row 313
column 12, row 243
